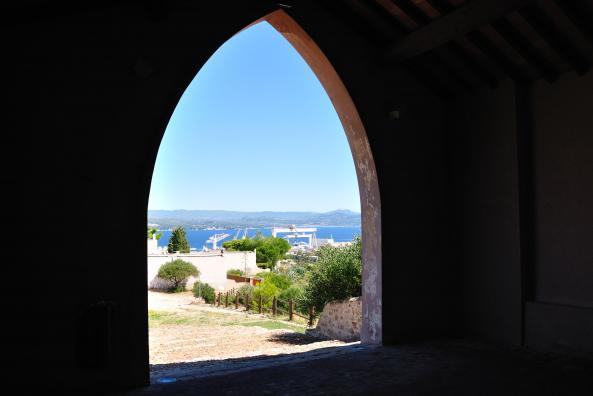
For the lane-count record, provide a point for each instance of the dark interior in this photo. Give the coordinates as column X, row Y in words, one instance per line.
column 479, row 114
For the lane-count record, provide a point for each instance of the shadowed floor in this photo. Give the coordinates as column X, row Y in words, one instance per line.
column 436, row 368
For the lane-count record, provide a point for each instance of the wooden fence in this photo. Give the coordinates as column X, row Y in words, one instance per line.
column 225, row 300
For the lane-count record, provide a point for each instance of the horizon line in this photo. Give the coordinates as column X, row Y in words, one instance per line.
column 257, row 211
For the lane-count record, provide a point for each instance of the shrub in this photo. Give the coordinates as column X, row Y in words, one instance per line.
column 294, row 293
column 268, row 249
column 177, row 272
column 246, row 290
column 242, row 245
column 235, row 271
column 295, row 271
column 281, row 281
column 336, row 275
column 205, row 291
column 267, row 291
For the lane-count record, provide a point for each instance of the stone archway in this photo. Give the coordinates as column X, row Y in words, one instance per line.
column 372, row 326
column 368, row 184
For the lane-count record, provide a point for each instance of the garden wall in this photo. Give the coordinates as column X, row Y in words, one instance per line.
column 340, row 320
column 212, row 266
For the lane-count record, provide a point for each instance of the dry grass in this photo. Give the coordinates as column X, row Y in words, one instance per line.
column 183, row 331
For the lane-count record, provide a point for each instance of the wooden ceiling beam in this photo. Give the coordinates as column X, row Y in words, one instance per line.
column 400, row 15
column 451, row 26
column 556, row 37
column 497, row 56
column 443, row 71
column 525, row 48
column 474, row 65
column 442, row 89
column 578, row 16
column 441, row 6
column 410, row 8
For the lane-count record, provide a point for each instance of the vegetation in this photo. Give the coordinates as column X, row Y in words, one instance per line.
column 150, row 232
column 267, row 291
column 333, row 273
column 268, row 249
column 177, row 272
column 235, row 271
column 246, row 290
column 205, row 291
column 209, row 319
column 281, row 281
column 178, row 241
column 242, row 245
column 294, row 292
column 274, row 325
column 271, row 250
column 335, row 276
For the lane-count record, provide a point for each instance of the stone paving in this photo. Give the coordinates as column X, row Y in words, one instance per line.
column 435, row 368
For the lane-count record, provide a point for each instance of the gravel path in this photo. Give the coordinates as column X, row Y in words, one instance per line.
column 189, row 333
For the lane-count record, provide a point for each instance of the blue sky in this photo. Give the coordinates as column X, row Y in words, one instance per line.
column 255, row 131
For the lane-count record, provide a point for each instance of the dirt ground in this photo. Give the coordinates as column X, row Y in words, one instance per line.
column 182, row 330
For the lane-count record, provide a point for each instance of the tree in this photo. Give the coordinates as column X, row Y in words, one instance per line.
column 271, row 250
column 177, row 272
column 242, row 245
column 235, row 271
column 336, row 275
column 178, row 241
column 150, row 232
column 268, row 249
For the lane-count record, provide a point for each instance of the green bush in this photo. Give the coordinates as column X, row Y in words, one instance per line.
column 268, row 249
column 177, row 272
column 336, row 275
column 242, row 245
column 246, row 290
column 267, row 291
column 281, row 281
column 296, row 271
column 294, row 293
column 205, row 291
column 235, row 271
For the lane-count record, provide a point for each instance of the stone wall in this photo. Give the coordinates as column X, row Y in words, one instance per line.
column 340, row 320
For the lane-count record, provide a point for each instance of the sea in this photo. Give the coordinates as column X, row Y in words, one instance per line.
column 197, row 238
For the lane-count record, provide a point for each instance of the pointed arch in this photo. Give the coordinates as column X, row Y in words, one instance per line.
column 366, row 172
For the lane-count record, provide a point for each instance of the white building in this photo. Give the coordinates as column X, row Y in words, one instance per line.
column 213, row 266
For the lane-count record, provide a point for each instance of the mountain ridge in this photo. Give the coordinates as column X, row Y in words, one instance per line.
column 196, row 219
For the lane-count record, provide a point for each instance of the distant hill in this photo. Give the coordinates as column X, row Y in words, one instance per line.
column 197, row 219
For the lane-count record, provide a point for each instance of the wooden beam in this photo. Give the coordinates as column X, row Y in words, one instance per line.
column 526, row 49
column 497, row 56
column 473, row 64
column 404, row 19
column 442, row 6
column 451, row 26
column 578, row 16
column 383, row 28
column 558, row 36
column 410, row 8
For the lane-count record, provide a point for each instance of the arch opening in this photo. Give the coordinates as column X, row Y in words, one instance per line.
column 368, row 184
column 364, row 166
